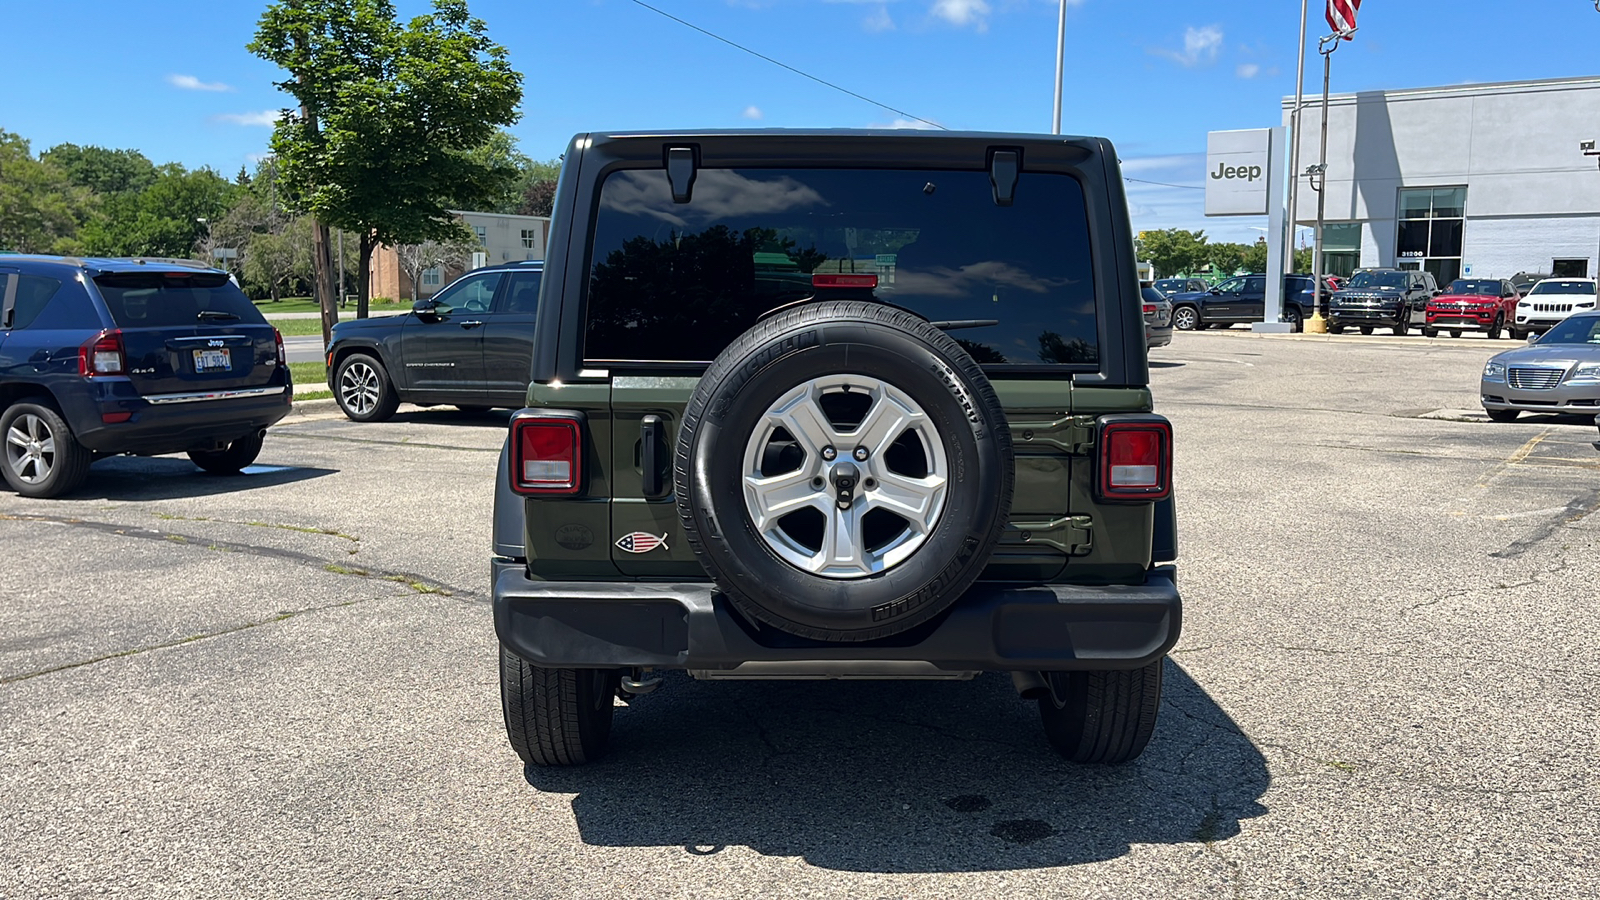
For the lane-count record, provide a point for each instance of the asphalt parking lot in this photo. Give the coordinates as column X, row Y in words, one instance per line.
column 284, row 684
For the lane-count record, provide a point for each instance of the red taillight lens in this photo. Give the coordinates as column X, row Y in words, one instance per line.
column 547, row 455
column 1149, row 309
column 844, row 281
column 1135, row 459
column 283, row 358
column 102, row 356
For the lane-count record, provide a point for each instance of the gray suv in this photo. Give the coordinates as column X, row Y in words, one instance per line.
column 1382, row 298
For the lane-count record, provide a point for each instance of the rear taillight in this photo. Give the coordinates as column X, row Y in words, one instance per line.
column 1149, row 309
column 547, row 452
column 1135, row 458
column 844, row 281
column 277, row 337
column 102, row 356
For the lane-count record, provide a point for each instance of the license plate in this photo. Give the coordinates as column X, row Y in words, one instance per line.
column 212, row 360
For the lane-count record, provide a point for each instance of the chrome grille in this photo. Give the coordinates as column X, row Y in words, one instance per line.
column 1534, row 379
column 1552, row 307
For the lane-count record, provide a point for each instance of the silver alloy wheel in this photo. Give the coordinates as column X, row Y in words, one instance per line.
column 1185, row 318
column 359, row 388
column 30, row 448
column 892, row 451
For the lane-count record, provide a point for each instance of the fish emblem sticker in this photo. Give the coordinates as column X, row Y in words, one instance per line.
column 642, row 542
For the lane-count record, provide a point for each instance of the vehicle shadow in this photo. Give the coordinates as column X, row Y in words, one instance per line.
column 166, row 478
column 898, row 777
column 1163, row 364
column 449, row 415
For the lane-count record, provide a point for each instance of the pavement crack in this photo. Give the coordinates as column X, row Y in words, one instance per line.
column 1574, row 512
column 135, row 651
column 419, row 583
column 280, row 433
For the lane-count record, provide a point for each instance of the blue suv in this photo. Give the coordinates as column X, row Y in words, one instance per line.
column 100, row 357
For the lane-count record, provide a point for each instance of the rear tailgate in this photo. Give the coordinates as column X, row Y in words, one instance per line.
column 189, row 331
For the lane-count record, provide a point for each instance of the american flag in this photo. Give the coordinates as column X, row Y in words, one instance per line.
column 641, row 542
column 1342, row 16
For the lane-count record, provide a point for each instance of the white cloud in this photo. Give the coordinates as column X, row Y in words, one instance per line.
column 879, row 20
column 1200, row 45
column 962, row 13
column 265, row 117
column 903, row 123
column 191, row 83
column 751, row 112
column 1248, row 70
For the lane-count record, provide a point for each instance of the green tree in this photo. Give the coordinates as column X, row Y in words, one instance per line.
column 388, row 117
column 276, row 258
column 103, row 171
column 1225, row 257
column 168, row 218
column 40, row 208
column 1255, row 256
column 1174, row 251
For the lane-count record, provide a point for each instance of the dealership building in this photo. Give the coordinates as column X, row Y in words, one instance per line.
column 1481, row 180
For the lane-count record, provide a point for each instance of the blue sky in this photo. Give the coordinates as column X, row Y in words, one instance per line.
column 173, row 80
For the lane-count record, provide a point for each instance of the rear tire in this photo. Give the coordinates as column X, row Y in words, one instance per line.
column 1185, row 318
column 1335, row 329
column 236, row 456
column 41, row 458
column 1455, row 332
column 1366, row 329
column 1430, row 332
column 1400, row 327
column 556, row 717
column 1493, row 333
column 362, row 388
column 1101, row 716
column 475, row 410
column 1502, row 415
column 1291, row 316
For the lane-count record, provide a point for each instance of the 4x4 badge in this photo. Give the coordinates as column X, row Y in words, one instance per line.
column 640, row 542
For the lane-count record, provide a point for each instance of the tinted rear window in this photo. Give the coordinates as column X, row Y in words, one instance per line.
column 33, row 294
column 678, row 282
column 172, row 299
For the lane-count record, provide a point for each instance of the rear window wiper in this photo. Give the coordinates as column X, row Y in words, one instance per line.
column 216, row 314
column 952, row 324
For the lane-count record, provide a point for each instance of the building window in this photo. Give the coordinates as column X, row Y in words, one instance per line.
column 1431, row 224
column 483, row 235
column 430, row 278
column 1341, row 248
column 529, row 238
column 1570, row 268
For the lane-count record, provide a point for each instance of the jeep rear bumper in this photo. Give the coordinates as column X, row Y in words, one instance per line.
column 690, row 626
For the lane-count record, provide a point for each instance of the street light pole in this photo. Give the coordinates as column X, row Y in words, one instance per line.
column 1061, row 63
column 1294, row 146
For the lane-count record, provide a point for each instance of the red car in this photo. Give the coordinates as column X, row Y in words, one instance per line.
column 1472, row 304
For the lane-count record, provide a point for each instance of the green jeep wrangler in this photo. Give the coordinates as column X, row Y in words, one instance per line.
column 837, row 404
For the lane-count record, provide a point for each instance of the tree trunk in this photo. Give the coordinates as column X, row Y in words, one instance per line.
column 364, row 275
column 273, row 288
column 322, row 273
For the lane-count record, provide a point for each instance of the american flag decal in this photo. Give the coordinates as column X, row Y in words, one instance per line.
column 641, row 542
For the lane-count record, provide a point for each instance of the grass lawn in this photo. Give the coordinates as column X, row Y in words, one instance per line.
column 307, row 304
column 298, row 327
column 309, row 373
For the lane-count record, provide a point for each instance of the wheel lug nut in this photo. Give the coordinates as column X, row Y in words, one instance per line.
column 869, row 484
column 828, row 453
column 861, row 454
column 817, row 483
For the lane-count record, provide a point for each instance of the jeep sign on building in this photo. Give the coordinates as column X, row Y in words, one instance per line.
column 1237, row 163
column 1485, row 180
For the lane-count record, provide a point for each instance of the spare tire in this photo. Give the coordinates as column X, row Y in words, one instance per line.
column 843, row 471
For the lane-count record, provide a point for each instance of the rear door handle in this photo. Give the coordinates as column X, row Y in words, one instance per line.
column 471, row 323
column 650, row 430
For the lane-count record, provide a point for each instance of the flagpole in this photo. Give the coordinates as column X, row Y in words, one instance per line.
column 1314, row 325
column 1326, row 46
column 1061, row 60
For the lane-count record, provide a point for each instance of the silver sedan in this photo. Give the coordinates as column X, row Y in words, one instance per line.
column 1557, row 373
